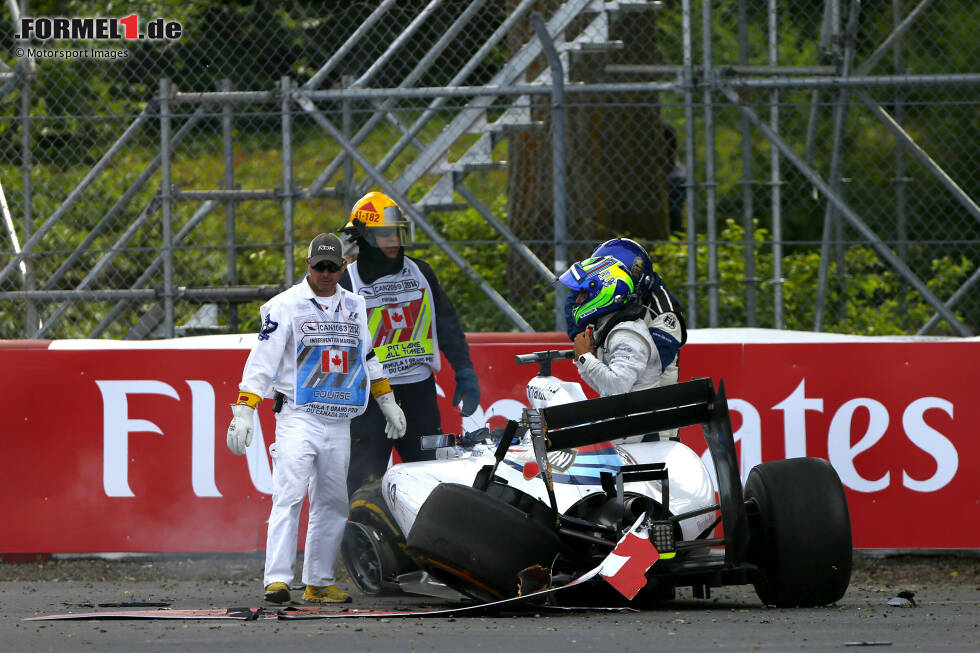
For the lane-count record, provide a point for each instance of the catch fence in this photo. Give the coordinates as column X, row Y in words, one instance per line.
column 796, row 165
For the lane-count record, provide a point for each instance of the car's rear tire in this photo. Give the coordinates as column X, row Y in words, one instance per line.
column 478, row 543
column 373, row 548
column 800, row 532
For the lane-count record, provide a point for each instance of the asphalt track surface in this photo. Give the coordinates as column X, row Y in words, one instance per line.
column 945, row 617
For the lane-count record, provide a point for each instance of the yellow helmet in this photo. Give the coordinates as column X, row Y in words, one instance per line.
column 376, row 215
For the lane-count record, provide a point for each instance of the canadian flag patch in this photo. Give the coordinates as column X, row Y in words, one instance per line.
column 396, row 317
column 335, row 361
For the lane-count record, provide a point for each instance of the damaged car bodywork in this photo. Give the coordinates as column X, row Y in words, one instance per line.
column 556, row 493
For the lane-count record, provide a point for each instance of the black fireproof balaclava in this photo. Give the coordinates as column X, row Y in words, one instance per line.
column 372, row 263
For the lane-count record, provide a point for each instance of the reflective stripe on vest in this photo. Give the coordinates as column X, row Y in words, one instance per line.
column 401, row 320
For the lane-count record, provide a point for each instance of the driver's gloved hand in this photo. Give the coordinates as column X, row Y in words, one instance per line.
column 570, row 326
column 478, row 436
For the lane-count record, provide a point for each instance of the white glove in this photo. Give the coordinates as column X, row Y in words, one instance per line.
column 393, row 413
column 240, row 429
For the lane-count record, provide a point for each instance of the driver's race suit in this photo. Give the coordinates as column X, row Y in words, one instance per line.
column 628, row 359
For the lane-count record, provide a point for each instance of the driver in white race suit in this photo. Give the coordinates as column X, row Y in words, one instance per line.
column 614, row 344
column 653, row 293
column 315, row 352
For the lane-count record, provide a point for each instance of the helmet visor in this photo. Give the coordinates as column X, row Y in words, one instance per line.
column 392, row 230
column 584, row 274
column 603, row 285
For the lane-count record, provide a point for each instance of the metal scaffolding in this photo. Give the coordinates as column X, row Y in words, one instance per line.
column 508, row 94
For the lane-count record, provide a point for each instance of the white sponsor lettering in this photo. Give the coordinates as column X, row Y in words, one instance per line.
column 116, row 427
column 932, row 442
column 794, row 409
column 842, row 453
column 840, row 450
column 843, row 447
column 202, row 439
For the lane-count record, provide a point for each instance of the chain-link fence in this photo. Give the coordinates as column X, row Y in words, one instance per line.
column 806, row 164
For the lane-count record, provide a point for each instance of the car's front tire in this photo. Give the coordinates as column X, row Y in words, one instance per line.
column 478, row 543
column 373, row 548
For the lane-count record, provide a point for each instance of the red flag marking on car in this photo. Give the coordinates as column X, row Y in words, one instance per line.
column 625, row 568
column 531, row 469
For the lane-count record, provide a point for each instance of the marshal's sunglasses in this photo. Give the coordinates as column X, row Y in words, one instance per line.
column 327, row 266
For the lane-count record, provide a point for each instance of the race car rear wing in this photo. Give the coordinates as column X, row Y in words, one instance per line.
column 649, row 411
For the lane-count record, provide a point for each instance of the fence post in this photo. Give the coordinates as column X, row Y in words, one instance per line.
column 287, row 179
column 166, row 199
column 347, row 126
column 709, row 164
column 775, row 177
column 747, row 180
column 31, row 318
column 231, row 258
column 689, row 162
column 831, row 219
column 557, row 162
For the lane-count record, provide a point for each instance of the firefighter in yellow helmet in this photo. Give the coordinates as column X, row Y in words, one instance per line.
column 411, row 321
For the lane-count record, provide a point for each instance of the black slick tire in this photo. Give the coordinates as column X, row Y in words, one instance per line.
column 477, row 543
column 800, row 532
column 373, row 548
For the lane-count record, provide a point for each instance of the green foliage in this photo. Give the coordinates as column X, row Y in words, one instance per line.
column 81, row 108
column 866, row 296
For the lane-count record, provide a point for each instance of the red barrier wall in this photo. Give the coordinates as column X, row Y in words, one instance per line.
column 124, row 449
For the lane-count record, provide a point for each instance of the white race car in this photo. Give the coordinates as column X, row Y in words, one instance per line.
column 558, row 490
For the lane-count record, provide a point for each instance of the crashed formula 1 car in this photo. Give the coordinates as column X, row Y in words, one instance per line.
column 555, row 496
